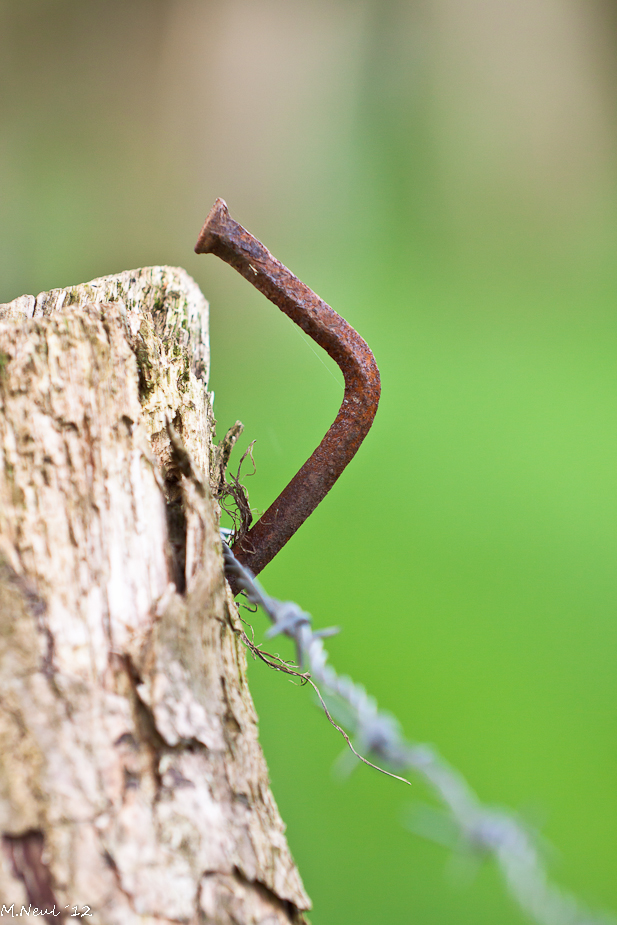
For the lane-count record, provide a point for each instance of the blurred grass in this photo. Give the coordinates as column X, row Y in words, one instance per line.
column 469, row 551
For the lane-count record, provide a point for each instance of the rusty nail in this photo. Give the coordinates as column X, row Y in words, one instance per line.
column 223, row 236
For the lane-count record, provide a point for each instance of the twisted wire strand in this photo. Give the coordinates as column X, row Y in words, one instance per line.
column 483, row 829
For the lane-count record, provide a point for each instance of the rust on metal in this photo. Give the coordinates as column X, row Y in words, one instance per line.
column 223, row 236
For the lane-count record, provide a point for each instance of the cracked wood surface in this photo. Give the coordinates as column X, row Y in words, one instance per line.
column 131, row 777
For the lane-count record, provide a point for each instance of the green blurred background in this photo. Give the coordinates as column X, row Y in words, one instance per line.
column 443, row 173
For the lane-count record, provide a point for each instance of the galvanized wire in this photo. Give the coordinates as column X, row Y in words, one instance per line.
column 483, row 829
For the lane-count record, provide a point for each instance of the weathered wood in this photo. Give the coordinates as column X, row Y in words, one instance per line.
column 131, row 778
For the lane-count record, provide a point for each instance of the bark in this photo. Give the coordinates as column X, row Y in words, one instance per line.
column 131, row 777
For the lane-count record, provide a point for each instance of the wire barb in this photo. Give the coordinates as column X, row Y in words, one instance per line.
column 483, row 829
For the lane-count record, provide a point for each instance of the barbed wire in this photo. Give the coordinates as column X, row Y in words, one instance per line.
column 483, row 829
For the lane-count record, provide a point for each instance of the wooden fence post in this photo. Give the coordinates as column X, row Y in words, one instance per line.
column 132, row 784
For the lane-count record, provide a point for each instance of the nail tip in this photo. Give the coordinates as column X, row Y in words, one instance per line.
column 208, row 234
